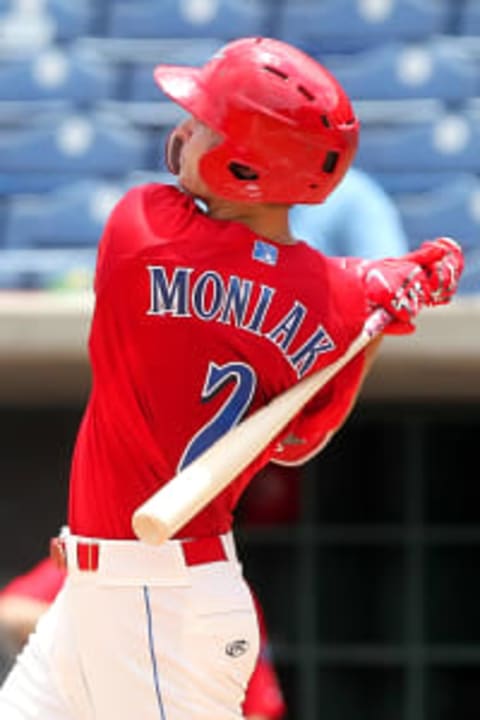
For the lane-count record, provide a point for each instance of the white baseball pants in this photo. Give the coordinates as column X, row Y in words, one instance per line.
column 146, row 632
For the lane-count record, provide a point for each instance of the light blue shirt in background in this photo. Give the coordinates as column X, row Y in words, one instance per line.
column 359, row 219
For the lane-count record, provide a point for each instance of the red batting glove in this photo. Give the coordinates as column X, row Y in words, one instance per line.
column 401, row 287
column 442, row 261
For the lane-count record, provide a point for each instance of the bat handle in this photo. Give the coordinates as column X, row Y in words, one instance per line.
column 376, row 323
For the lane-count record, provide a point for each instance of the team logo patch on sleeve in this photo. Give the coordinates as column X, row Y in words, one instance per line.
column 264, row 252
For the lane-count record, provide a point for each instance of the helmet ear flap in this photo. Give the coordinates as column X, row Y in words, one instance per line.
column 173, row 148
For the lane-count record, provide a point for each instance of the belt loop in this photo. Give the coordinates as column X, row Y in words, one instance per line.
column 88, row 554
column 203, row 550
column 58, row 553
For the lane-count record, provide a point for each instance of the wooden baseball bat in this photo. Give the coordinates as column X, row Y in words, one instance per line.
column 171, row 507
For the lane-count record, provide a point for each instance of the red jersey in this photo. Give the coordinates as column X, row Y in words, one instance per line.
column 198, row 323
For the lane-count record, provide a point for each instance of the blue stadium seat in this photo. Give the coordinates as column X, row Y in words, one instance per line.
column 349, row 25
column 71, row 19
column 452, row 209
column 469, row 22
column 50, row 241
column 3, row 216
column 140, row 74
column 56, row 74
column 73, row 146
column 403, row 71
column 24, row 183
column 142, row 86
column 398, row 183
column 452, row 143
column 73, row 216
column 151, row 117
column 56, row 19
column 224, row 19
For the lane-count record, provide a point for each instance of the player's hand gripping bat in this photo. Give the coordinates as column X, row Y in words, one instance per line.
column 196, row 485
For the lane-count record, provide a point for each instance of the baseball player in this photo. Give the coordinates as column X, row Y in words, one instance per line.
column 206, row 308
column 27, row 597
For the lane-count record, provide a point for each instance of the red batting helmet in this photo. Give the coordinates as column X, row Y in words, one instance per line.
column 289, row 130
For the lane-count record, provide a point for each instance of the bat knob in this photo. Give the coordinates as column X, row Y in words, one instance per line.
column 148, row 529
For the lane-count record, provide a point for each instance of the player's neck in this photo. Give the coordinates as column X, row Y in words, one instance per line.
column 269, row 221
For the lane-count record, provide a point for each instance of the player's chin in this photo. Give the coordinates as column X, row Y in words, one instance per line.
column 194, row 186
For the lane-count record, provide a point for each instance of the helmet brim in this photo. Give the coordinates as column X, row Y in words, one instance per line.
column 179, row 83
column 184, row 85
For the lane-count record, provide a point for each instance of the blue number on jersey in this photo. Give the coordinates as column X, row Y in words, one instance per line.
column 232, row 410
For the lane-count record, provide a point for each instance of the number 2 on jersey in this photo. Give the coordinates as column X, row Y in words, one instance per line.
column 231, row 412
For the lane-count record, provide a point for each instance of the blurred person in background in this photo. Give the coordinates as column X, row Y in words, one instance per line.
column 26, row 597
column 358, row 219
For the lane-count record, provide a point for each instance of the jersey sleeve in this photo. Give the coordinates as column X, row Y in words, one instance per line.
column 313, row 428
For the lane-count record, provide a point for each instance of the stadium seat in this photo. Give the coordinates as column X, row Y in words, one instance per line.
column 50, row 241
column 398, row 183
column 73, row 146
column 73, row 216
column 140, row 75
column 142, row 86
column 3, row 216
column 383, row 113
column 452, row 209
column 469, row 22
column 56, row 74
column 349, row 25
column 29, row 25
column 398, row 71
column 225, row 19
column 452, row 143
column 70, row 19
column 33, row 183
column 132, row 50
